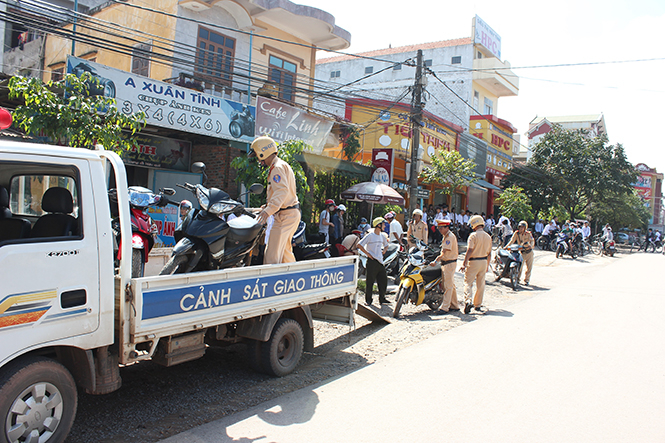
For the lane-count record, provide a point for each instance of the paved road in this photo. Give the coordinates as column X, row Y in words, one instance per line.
column 583, row 361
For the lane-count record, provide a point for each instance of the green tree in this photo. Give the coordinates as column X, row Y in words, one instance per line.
column 515, row 203
column 573, row 171
column 621, row 211
column 66, row 113
column 449, row 169
column 350, row 141
column 249, row 171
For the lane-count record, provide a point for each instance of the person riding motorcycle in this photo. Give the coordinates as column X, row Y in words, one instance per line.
column 607, row 236
column 417, row 229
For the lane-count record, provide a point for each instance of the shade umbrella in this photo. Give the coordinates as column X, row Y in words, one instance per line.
column 373, row 193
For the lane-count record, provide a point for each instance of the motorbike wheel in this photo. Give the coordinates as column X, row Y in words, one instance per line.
column 138, row 263
column 235, row 129
column 514, row 278
column 597, row 247
column 558, row 251
column 611, row 253
column 174, row 265
column 659, row 248
column 401, row 298
column 650, row 248
column 542, row 243
column 553, row 245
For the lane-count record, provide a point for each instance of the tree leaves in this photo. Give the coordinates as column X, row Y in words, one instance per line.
column 449, row 169
column 66, row 113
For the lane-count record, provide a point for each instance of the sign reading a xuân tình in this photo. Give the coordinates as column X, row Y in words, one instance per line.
column 167, row 105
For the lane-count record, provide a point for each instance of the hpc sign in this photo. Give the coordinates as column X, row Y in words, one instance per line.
column 486, row 36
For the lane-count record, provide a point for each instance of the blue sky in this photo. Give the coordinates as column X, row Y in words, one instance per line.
column 629, row 94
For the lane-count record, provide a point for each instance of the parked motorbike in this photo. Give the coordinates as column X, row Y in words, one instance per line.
column 563, row 247
column 205, row 241
column 419, row 283
column 143, row 229
column 508, row 263
column 307, row 251
column 392, row 260
column 242, row 123
column 610, row 248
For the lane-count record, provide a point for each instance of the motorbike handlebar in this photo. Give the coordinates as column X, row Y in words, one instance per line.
column 186, row 186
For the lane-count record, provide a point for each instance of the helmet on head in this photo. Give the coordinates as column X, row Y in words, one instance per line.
column 523, row 223
column 329, row 202
column 443, row 222
column 418, row 212
column 263, row 147
column 341, row 208
column 186, row 204
column 476, row 221
column 391, row 214
column 377, row 221
column 357, row 232
column 363, row 220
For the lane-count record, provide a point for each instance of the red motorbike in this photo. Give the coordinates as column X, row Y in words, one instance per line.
column 143, row 228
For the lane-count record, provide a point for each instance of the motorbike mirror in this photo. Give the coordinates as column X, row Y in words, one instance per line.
column 198, row 167
column 256, row 188
column 167, row 191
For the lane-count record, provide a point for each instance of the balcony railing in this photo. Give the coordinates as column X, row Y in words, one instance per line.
column 496, row 76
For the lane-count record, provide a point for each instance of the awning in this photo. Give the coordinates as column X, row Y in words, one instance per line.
column 482, row 184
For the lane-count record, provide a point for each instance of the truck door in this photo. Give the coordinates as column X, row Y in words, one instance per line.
column 49, row 273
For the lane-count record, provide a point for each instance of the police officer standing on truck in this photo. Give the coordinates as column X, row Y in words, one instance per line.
column 282, row 202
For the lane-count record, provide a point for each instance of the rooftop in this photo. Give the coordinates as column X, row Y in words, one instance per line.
column 399, row 50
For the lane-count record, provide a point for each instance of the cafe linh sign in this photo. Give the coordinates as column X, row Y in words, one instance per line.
column 170, row 106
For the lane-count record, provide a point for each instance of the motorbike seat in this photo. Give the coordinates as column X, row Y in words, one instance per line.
column 431, row 273
column 242, row 229
column 392, row 247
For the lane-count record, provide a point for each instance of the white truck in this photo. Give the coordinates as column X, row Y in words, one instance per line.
column 69, row 318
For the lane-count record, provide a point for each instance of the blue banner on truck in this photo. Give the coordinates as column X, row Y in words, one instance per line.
column 161, row 303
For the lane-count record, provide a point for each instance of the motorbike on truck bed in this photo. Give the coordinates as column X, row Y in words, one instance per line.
column 69, row 317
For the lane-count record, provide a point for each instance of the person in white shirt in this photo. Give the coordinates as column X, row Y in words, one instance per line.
column 539, row 227
column 325, row 224
column 372, row 245
column 586, row 231
column 506, row 231
column 396, row 230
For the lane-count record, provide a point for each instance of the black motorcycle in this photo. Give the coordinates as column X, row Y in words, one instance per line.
column 242, row 123
column 508, row 263
column 303, row 250
column 205, row 241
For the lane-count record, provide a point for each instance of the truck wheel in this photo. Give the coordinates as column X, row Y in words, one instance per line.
column 37, row 401
column 280, row 355
column 173, row 265
column 138, row 265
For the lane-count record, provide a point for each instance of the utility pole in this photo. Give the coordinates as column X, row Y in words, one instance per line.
column 417, row 110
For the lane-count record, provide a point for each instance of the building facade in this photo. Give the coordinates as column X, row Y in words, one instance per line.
column 649, row 187
column 539, row 126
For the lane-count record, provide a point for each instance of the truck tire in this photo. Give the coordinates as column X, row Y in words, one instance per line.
column 281, row 353
column 138, row 263
column 173, row 265
column 37, row 401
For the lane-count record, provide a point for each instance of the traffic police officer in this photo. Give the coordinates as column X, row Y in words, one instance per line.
column 476, row 263
column 282, row 202
column 448, row 260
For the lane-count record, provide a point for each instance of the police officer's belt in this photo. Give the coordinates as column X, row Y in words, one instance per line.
column 447, row 262
column 478, row 258
column 296, row 206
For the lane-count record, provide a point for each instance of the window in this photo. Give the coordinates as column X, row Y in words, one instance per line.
column 369, row 69
column 57, row 74
column 428, row 63
column 214, row 55
column 283, row 73
column 335, row 74
column 141, row 59
column 397, row 67
column 489, row 106
column 476, row 99
column 480, row 55
column 26, row 192
column 456, row 60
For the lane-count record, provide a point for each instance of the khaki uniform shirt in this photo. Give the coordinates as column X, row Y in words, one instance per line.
column 449, row 250
column 281, row 187
column 418, row 230
column 481, row 243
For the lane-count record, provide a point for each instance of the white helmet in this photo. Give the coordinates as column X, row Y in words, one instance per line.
column 263, row 147
column 418, row 212
column 341, row 208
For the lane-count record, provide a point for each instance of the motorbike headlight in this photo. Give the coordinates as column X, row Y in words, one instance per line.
column 221, row 208
column 203, row 199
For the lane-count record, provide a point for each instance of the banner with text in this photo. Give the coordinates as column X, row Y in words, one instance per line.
column 170, row 106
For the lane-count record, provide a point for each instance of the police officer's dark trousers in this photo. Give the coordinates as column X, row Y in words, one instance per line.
column 375, row 272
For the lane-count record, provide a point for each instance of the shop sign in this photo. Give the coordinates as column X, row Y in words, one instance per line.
column 166, row 219
column 159, row 152
column 170, row 106
column 486, row 36
column 283, row 122
column 423, row 193
column 382, row 160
